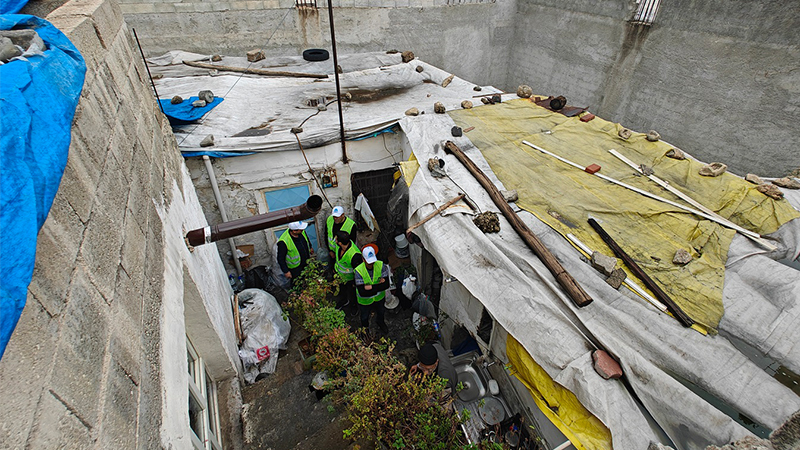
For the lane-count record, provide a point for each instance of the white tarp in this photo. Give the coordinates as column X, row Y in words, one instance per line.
column 381, row 85
column 654, row 349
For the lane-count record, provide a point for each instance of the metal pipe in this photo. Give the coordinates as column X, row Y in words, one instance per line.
column 238, row 227
column 214, row 187
column 336, row 76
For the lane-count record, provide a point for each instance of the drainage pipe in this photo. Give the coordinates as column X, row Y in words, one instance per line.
column 238, row 227
column 214, row 187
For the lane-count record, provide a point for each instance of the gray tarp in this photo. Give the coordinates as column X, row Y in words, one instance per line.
column 654, row 349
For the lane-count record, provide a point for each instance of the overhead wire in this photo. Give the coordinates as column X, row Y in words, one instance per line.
column 311, row 171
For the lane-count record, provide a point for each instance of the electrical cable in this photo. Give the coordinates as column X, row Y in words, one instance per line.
column 383, row 135
column 240, row 75
column 465, row 193
column 311, row 171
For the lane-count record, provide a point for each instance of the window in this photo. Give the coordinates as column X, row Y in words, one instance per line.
column 203, row 407
column 305, row 4
column 283, row 198
column 646, row 12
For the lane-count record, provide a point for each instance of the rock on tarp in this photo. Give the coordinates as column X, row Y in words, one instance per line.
column 38, row 97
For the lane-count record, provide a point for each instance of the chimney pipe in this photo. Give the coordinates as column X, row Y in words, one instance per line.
column 238, row 227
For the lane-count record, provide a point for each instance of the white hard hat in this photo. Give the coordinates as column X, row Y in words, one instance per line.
column 369, row 255
column 337, row 211
column 298, row 225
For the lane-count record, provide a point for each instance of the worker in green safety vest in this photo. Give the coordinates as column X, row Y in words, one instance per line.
column 347, row 259
column 371, row 280
column 293, row 250
column 336, row 222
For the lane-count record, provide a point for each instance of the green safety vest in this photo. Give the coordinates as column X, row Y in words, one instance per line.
column 292, row 254
column 347, row 226
column 377, row 269
column 344, row 265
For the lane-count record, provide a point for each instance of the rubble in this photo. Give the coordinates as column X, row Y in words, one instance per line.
column 616, row 278
column 407, row 56
column 206, row 95
column 439, row 108
column 447, row 80
column 753, row 178
column 625, row 133
column 676, row 153
column 524, row 91
column 770, row 190
column 653, row 136
column 207, row 141
column 713, row 169
column 419, row 69
column 786, row 182
column 466, row 104
column 216, row 58
column 603, row 263
column 487, row 222
column 412, row 112
column 199, row 103
column 605, row 365
column 177, row 99
column 255, row 55
column 682, row 257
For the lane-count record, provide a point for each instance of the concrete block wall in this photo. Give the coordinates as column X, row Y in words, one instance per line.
column 83, row 368
column 719, row 79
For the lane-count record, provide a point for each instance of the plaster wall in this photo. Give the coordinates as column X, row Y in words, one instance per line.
column 97, row 357
column 242, row 181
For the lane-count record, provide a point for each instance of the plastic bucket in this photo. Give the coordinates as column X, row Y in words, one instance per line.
column 401, row 246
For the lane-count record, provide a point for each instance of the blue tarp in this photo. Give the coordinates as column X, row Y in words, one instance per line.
column 183, row 113
column 38, row 98
column 11, row 6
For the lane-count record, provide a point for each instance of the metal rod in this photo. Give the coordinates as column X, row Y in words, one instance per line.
column 662, row 296
column 212, row 177
column 141, row 52
column 336, row 76
column 757, row 238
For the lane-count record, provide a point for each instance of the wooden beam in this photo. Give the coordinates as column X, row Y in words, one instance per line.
column 573, row 289
column 269, row 73
column 655, row 288
column 433, row 214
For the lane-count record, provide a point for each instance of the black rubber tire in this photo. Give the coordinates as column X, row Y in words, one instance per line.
column 316, row 54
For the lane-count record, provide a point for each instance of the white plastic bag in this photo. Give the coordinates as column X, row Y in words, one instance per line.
column 409, row 286
column 266, row 332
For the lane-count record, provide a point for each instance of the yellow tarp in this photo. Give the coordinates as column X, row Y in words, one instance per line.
column 584, row 430
column 650, row 231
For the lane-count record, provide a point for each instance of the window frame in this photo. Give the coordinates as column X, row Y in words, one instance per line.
column 263, row 208
column 198, row 383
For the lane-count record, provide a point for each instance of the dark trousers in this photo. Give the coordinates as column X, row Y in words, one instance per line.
column 347, row 294
column 379, row 309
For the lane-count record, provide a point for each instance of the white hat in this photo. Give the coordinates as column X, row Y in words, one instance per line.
column 369, row 255
column 337, row 211
column 298, row 226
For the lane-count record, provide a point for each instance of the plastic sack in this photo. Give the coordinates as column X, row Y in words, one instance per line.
column 266, row 332
column 409, row 286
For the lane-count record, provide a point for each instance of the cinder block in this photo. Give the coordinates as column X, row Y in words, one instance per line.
column 81, row 349
column 101, row 252
column 58, row 423
column 81, row 32
column 120, row 408
column 164, row 7
column 92, row 128
column 56, row 249
column 137, row 8
column 24, row 370
column 112, row 191
column 106, row 15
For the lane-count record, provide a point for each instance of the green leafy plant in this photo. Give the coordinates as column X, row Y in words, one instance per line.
column 311, row 291
column 336, row 351
column 323, row 320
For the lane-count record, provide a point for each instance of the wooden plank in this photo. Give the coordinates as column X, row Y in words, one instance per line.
column 269, row 73
column 433, row 214
column 649, row 282
column 237, row 325
column 573, row 289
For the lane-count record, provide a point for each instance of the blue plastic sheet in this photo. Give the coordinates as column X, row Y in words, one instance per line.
column 183, row 112
column 11, row 6
column 38, row 98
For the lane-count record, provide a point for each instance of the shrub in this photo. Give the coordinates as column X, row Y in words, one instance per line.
column 311, row 291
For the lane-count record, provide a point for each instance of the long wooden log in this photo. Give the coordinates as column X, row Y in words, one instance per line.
column 269, row 73
column 573, row 289
column 433, row 214
column 660, row 294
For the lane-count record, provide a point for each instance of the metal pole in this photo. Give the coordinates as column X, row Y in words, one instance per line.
column 214, row 187
column 148, row 70
column 336, row 76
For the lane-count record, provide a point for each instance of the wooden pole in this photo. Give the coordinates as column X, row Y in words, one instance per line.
column 270, row 73
column 573, row 289
column 433, row 214
column 237, row 325
column 660, row 295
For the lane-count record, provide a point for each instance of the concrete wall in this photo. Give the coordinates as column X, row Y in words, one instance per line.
column 242, row 181
column 719, row 79
column 89, row 363
column 471, row 40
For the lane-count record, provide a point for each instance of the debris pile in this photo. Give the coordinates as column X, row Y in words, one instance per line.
column 487, row 222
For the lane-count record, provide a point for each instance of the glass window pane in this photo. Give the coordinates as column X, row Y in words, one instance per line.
column 211, row 398
column 196, row 417
column 286, row 198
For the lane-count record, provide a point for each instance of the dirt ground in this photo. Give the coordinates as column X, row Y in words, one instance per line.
column 280, row 411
